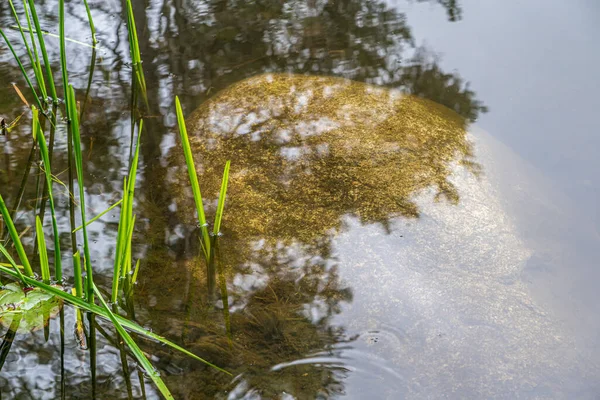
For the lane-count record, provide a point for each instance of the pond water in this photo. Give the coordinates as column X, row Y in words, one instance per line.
column 412, row 211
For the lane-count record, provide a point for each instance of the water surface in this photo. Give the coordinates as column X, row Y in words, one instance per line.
column 378, row 242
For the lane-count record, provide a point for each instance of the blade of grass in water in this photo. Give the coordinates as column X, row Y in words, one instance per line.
column 47, row 172
column 189, row 160
column 46, row 33
column 63, row 50
column 97, row 217
column 42, row 250
column 126, row 221
column 121, row 232
column 77, row 275
column 222, row 195
column 13, row 264
column 91, row 23
column 134, row 46
column 101, row 312
column 150, row 370
column 126, row 260
column 74, row 121
column 38, row 65
column 42, row 44
column 22, row 68
column 37, row 71
column 12, row 231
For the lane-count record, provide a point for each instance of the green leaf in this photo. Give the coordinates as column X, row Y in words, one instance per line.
column 35, row 307
column 137, row 352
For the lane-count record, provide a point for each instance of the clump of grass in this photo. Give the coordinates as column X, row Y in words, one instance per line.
column 207, row 243
column 85, row 293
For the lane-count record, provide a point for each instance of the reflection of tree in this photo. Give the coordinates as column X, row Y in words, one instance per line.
column 452, row 7
column 360, row 40
column 284, row 314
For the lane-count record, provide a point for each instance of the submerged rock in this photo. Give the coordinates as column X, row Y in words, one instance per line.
column 309, row 150
column 414, row 234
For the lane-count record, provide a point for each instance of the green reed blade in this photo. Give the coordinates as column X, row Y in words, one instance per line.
column 134, row 47
column 102, row 312
column 97, row 217
column 74, row 124
column 222, row 195
column 143, row 360
column 48, row 173
column 135, row 273
column 15, row 238
column 42, row 44
column 126, row 221
column 52, row 35
column 121, row 232
column 91, row 23
column 126, row 260
column 12, row 263
column 38, row 65
column 63, row 48
column 37, row 71
column 189, row 160
column 77, row 274
column 41, row 240
column 133, row 174
column 22, row 68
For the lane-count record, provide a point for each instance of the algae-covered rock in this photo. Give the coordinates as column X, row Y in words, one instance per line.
column 438, row 301
column 308, row 150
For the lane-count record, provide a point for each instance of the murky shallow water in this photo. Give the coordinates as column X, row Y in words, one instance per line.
column 487, row 292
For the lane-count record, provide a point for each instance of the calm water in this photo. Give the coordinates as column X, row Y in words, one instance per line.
column 354, row 264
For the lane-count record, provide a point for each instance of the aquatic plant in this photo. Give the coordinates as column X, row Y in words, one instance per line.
column 16, row 299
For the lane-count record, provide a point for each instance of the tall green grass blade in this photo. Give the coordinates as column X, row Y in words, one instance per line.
column 134, row 46
column 22, row 68
column 38, row 65
column 189, row 160
column 37, row 71
column 222, row 195
column 48, row 173
column 13, row 264
column 12, row 231
column 126, row 222
column 135, row 273
column 46, row 33
column 126, row 260
column 150, row 370
column 42, row 250
column 133, row 174
column 42, row 44
column 97, row 217
column 91, row 23
column 77, row 275
column 74, row 121
column 121, row 232
column 63, row 49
